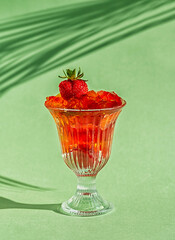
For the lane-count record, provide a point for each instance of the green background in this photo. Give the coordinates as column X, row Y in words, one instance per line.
column 125, row 46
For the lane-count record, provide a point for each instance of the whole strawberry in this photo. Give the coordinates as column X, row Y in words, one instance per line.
column 74, row 86
column 79, row 88
column 65, row 88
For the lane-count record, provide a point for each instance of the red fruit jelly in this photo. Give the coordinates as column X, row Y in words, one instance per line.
column 86, row 134
column 91, row 100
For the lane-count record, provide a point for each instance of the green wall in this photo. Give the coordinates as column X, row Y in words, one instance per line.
column 125, row 46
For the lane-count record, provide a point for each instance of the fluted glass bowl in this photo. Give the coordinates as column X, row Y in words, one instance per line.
column 86, row 140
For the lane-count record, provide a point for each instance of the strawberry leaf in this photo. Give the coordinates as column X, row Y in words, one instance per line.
column 62, row 76
column 81, row 75
column 64, row 73
column 79, row 71
column 73, row 74
column 69, row 72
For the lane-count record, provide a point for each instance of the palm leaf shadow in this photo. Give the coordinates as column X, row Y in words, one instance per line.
column 15, row 184
column 6, row 203
column 39, row 42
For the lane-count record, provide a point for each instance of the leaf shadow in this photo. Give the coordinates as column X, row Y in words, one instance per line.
column 6, row 203
column 39, row 42
column 5, row 181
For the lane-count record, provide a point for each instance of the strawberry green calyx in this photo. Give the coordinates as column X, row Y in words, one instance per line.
column 71, row 74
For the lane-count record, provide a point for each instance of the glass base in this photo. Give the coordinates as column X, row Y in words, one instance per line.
column 85, row 204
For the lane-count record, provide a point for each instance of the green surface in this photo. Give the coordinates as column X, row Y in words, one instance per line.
column 139, row 178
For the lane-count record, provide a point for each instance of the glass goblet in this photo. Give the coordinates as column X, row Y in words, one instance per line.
column 86, row 140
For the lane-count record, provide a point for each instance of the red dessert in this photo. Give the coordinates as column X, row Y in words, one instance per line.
column 85, row 121
column 90, row 100
column 74, row 94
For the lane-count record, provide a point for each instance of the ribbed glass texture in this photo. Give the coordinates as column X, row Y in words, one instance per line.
column 86, row 138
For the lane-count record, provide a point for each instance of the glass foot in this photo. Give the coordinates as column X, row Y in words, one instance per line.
column 85, row 204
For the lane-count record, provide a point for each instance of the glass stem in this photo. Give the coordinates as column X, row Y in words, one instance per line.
column 86, row 201
column 86, row 185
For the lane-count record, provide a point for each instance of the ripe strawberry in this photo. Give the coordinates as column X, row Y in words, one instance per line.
column 79, row 88
column 65, row 88
column 74, row 86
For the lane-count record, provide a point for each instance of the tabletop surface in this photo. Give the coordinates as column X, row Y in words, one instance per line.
column 134, row 57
